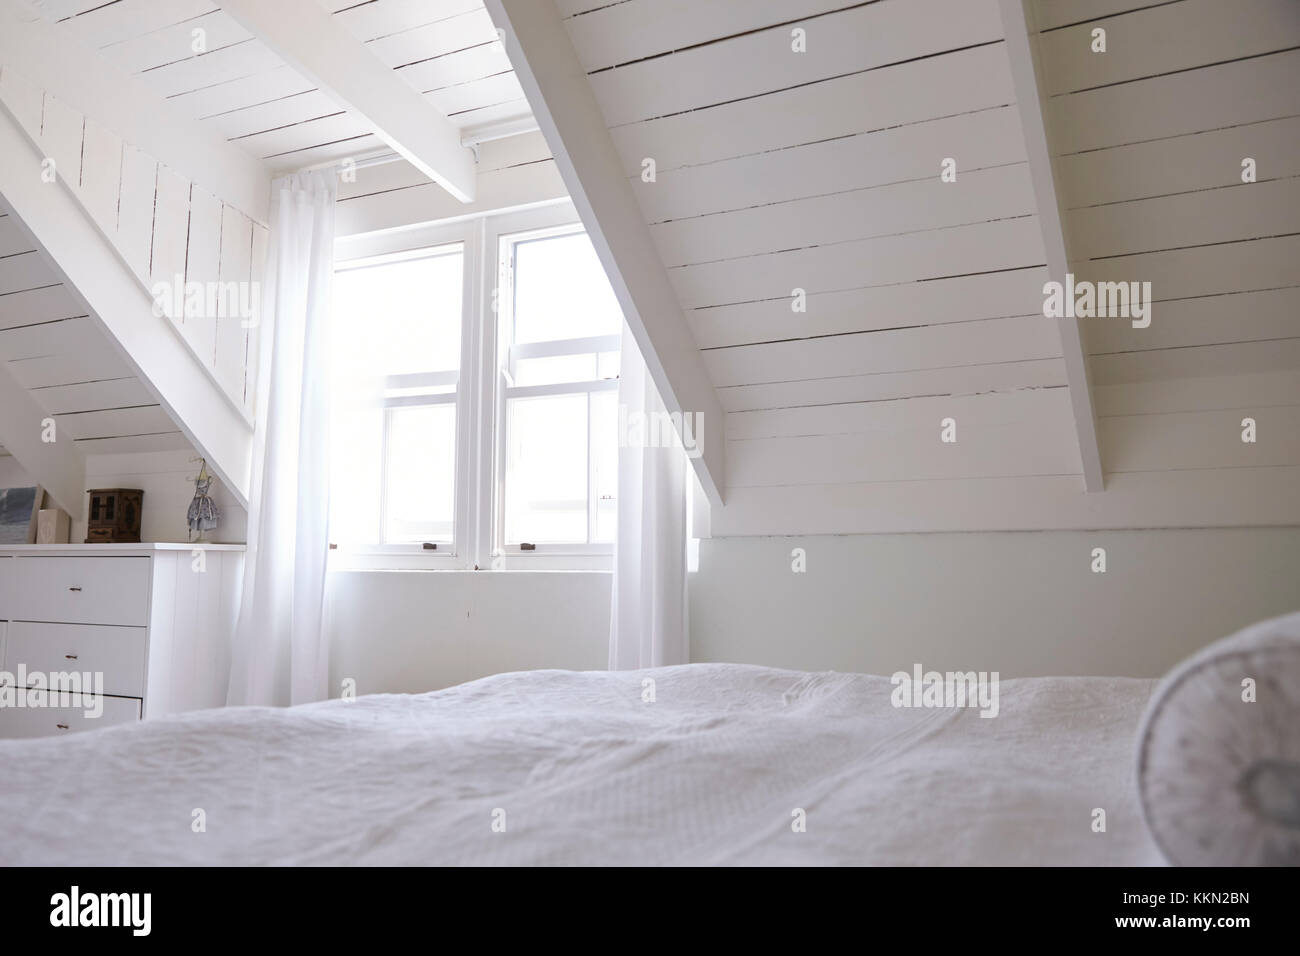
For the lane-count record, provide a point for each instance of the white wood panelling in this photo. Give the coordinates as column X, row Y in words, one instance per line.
column 778, row 174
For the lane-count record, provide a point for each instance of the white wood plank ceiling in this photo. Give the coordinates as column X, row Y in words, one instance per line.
column 777, row 171
column 53, row 349
column 447, row 50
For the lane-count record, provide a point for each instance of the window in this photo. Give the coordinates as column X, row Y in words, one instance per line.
column 560, row 336
column 476, row 400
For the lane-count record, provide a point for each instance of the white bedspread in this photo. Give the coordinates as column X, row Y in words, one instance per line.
column 589, row 774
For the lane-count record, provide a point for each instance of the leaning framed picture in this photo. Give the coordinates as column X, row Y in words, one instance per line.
column 19, row 508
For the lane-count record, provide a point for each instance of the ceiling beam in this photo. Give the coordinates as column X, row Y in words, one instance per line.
column 56, row 60
column 97, row 276
column 310, row 40
column 569, row 117
column 1016, row 22
column 56, row 466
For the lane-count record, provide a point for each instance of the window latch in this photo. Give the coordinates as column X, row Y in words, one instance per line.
column 430, row 546
column 526, row 546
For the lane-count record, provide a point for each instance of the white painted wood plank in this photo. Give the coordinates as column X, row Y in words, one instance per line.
column 27, row 270
column 164, row 441
column 114, row 22
column 69, row 70
column 50, row 338
column 244, row 92
column 1201, row 439
column 324, row 154
column 473, row 63
column 1210, row 320
column 1026, row 74
column 13, row 240
column 23, row 98
column 284, row 111
column 231, row 337
column 435, row 39
column 116, row 422
column 1224, row 214
column 92, row 396
column 61, row 134
column 1203, row 270
column 930, row 346
column 57, row 466
column 327, row 129
column 752, row 64
column 229, row 63
column 924, row 204
column 259, row 266
column 1049, row 406
column 135, row 209
column 946, row 252
column 936, row 302
column 1231, row 94
column 1181, row 164
column 1166, row 38
column 908, row 451
column 1197, row 498
column 38, row 305
column 502, row 189
column 965, row 380
column 629, row 31
column 175, row 43
column 470, row 121
column 476, row 94
column 909, row 93
column 310, row 41
column 1053, row 14
column 101, row 175
column 170, row 229
column 1246, row 393
column 907, row 153
column 366, row 21
column 69, row 369
column 203, row 265
column 1201, row 361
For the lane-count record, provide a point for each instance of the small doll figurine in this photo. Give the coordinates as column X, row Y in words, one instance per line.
column 204, row 513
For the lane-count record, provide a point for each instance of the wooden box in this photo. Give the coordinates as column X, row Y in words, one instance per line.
column 114, row 516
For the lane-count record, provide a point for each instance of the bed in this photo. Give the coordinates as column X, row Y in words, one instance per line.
column 561, row 767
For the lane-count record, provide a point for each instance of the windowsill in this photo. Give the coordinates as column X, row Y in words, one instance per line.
column 342, row 560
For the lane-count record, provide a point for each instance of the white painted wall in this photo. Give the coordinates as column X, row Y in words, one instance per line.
column 414, row 631
column 1023, row 604
column 12, row 474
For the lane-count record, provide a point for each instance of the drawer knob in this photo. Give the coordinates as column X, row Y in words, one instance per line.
column 74, row 589
column 71, row 657
column 61, row 726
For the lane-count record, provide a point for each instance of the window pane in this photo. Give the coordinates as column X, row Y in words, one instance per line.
column 555, row 369
column 399, row 317
column 604, row 453
column 546, row 469
column 421, row 474
column 561, row 291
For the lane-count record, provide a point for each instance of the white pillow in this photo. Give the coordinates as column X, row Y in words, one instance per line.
column 1218, row 775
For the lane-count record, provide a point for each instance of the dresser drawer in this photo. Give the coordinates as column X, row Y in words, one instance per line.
column 116, row 652
column 48, row 721
column 99, row 590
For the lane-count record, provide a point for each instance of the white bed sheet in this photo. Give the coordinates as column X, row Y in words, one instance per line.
column 587, row 773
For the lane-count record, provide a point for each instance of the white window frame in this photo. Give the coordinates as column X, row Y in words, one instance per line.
column 506, row 389
column 478, row 530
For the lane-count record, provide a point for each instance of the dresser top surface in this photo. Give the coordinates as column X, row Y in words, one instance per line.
column 90, row 550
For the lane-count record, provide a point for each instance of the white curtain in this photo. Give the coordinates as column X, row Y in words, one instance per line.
column 649, row 616
column 280, row 655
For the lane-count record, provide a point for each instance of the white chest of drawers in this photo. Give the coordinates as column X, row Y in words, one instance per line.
column 153, row 619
